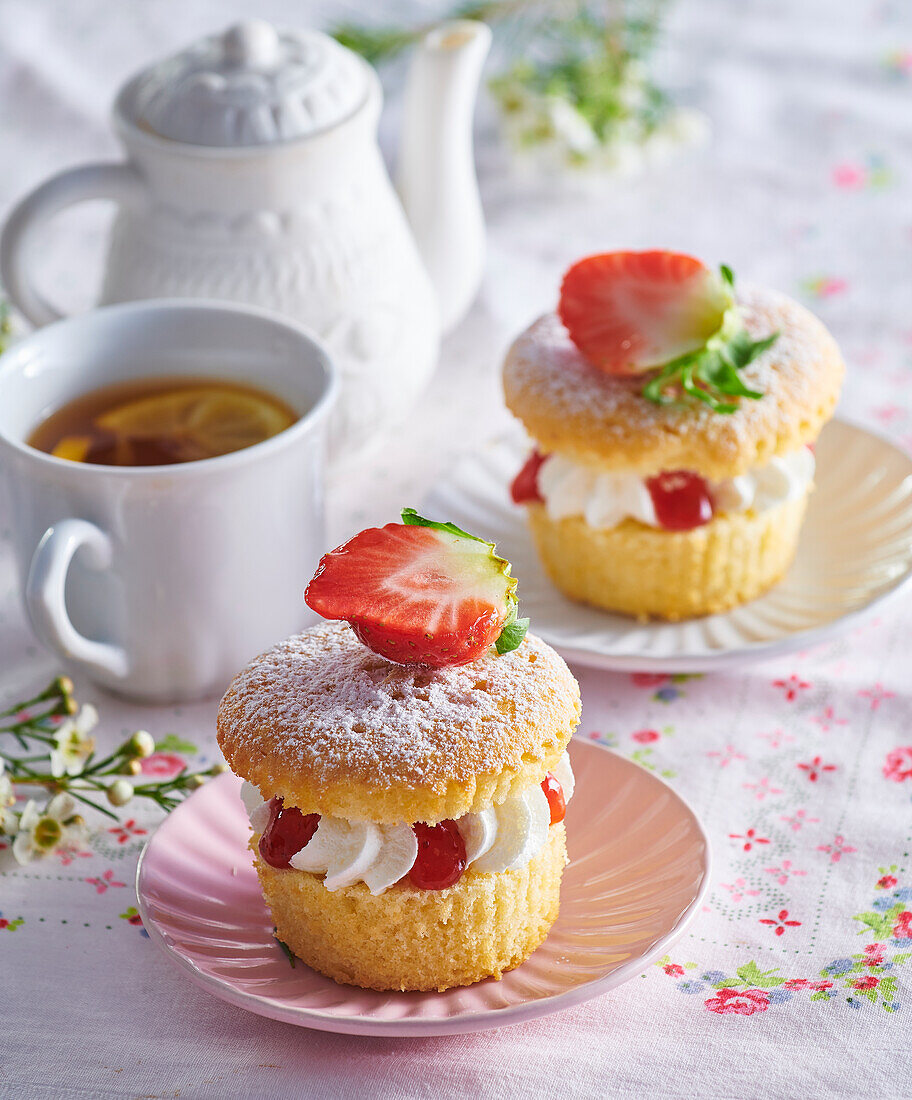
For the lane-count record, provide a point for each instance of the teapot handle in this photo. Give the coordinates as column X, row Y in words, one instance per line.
column 120, row 182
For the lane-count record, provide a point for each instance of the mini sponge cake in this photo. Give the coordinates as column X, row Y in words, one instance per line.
column 381, row 752
column 594, row 516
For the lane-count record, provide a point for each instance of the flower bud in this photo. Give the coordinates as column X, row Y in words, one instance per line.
column 195, row 781
column 132, row 767
column 120, row 792
column 64, row 685
column 141, row 744
column 220, row 768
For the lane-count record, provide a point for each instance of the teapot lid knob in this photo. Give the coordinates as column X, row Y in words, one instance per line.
column 253, row 43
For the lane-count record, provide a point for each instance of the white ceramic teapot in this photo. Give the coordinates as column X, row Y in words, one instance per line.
column 253, row 174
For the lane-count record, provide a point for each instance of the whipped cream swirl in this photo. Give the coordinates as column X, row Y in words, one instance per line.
column 606, row 498
column 501, row 838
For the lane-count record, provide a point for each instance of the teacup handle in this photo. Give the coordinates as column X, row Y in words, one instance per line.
column 45, row 594
column 119, row 182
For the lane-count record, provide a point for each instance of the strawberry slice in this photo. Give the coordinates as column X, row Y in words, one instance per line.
column 629, row 312
column 420, row 593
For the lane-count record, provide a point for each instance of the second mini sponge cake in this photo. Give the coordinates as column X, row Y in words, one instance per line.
column 408, row 820
column 673, row 482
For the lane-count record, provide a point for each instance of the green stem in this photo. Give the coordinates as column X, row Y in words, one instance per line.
column 25, row 730
column 52, row 693
column 94, row 806
column 18, row 708
column 95, row 769
column 28, row 771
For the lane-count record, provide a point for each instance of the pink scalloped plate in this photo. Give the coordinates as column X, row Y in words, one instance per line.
column 639, row 868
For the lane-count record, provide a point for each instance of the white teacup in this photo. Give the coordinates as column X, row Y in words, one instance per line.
column 161, row 582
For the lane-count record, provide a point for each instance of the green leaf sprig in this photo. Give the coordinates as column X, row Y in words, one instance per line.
column 514, row 629
column 710, row 374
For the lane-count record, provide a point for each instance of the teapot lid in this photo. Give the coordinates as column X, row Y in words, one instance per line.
column 251, row 85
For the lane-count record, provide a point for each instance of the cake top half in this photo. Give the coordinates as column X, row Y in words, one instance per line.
column 572, row 408
column 334, row 728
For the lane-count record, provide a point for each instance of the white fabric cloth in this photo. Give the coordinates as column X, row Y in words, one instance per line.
column 805, row 187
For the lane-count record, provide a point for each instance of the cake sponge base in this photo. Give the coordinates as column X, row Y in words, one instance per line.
column 411, row 939
column 651, row 573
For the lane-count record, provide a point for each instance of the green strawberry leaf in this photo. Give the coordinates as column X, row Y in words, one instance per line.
column 511, row 636
column 717, row 370
column 711, row 374
column 698, row 392
column 742, row 350
column 411, row 519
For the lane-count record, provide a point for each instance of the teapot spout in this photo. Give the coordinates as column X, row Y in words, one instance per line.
column 436, row 172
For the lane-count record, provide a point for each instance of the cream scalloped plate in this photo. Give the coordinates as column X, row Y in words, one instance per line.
column 639, row 869
column 855, row 551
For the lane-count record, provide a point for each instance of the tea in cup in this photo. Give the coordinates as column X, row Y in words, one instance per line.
column 159, row 580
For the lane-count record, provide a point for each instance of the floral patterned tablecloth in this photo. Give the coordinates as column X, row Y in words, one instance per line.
column 796, row 979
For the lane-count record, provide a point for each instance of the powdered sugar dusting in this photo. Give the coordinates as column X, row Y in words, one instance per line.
column 335, row 710
column 555, row 391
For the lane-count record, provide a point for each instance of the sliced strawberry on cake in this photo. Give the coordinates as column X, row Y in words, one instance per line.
column 664, row 313
column 633, row 311
column 420, row 593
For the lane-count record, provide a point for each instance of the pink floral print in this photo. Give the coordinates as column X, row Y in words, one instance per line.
column 739, row 1002
column 104, row 882
column 898, row 765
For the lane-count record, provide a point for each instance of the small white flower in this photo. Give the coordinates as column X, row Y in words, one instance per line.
column 9, row 821
column 41, row 831
column 570, row 126
column 73, row 746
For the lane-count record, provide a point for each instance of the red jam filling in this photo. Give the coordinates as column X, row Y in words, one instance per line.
column 441, row 856
column 524, row 489
column 681, row 499
column 287, row 832
column 554, row 793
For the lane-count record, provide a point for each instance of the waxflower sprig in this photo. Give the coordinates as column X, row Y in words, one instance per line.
column 573, row 80
column 58, row 755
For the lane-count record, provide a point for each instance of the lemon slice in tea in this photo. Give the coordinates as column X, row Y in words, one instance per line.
column 199, row 421
column 73, row 447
